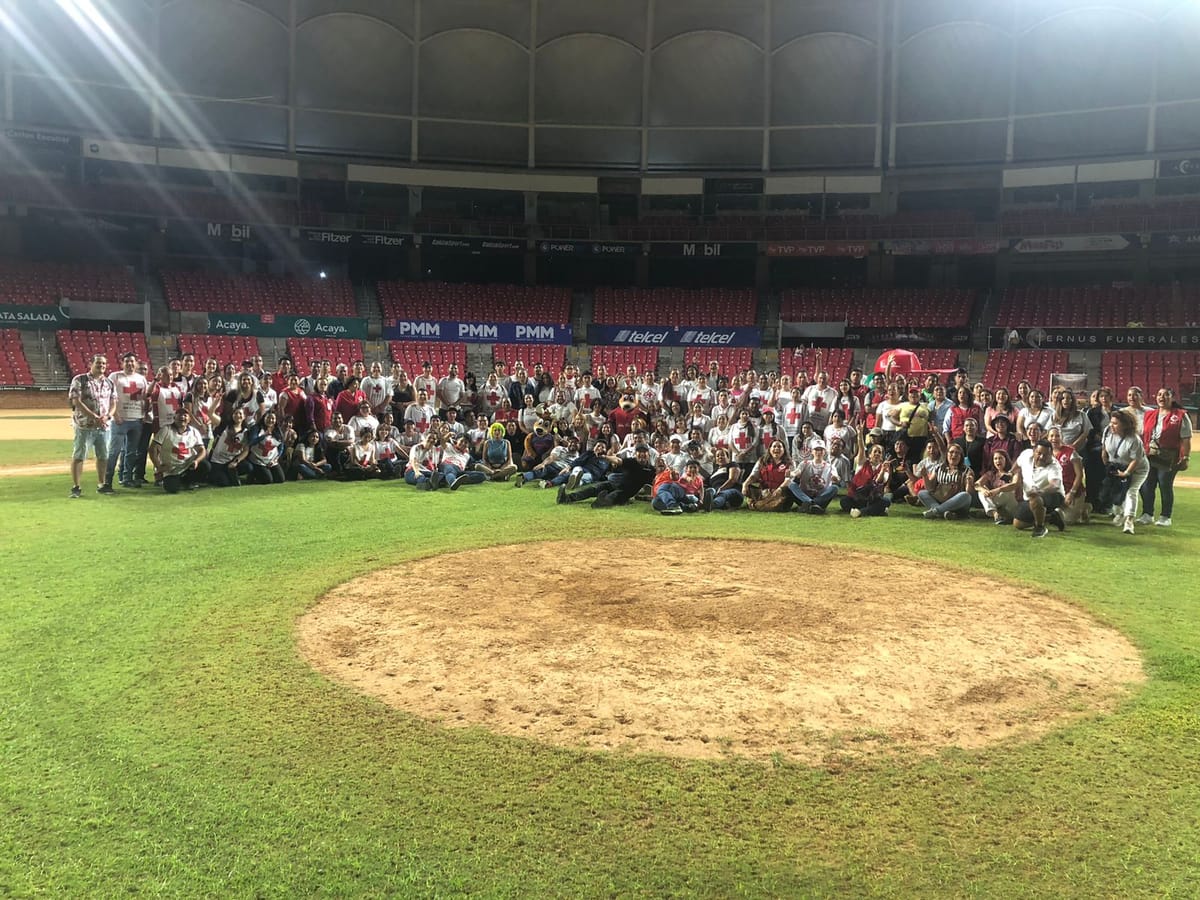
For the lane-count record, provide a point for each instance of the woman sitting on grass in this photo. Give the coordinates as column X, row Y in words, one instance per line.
column 948, row 487
column 865, row 494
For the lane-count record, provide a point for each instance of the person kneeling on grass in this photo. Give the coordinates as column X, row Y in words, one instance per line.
column 178, row 452
column 387, row 452
column 361, row 463
column 230, row 449
column 266, row 447
column 627, row 476
column 672, row 495
column 1039, row 480
column 948, row 487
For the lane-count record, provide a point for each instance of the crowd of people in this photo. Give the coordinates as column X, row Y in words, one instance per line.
column 697, row 440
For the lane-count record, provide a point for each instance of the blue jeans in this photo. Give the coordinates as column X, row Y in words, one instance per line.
column 822, row 499
column 670, row 495
column 959, row 503
column 1160, row 477
column 123, row 442
column 727, row 498
column 452, row 473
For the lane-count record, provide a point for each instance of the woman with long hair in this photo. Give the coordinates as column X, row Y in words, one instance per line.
column 1125, row 457
column 1167, row 437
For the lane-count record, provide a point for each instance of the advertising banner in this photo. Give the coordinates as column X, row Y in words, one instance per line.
column 34, row 317
column 1178, row 168
column 477, row 332
column 907, row 337
column 1176, row 240
column 589, row 248
column 287, row 326
column 335, row 238
column 33, row 138
column 856, row 249
column 673, row 336
column 1098, row 338
column 474, row 244
column 943, row 247
column 701, row 250
column 1075, row 243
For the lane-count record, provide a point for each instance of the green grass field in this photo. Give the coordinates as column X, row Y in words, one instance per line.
column 31, row 453
column 161, row 735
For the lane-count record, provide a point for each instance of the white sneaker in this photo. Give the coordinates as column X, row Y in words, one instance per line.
column 1128, row 525
column 855, row 513
column 1145, row 519
column 1118, row 519
column 1163, row 521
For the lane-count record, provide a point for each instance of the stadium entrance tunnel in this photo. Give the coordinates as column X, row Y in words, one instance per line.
column 711, row 648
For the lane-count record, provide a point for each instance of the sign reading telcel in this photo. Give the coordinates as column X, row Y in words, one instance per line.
column 667, row 336
column 477, row 332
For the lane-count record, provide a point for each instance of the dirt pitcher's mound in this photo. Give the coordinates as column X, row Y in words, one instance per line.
column 701, row 648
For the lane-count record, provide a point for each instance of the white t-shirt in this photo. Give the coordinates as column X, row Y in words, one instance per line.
column 130, row 391
column 376, row 391
column 420, row 416
column 177, row 449
column 820, row 404
column 1045, row 479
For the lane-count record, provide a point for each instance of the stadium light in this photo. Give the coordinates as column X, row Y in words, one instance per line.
column 322, row 275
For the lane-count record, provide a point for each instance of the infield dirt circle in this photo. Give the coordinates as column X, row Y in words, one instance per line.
column 714, row 647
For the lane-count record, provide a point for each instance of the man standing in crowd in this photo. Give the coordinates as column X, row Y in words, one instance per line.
column 819, row 399
column 129, row 388
column 450, row 390
column 92, row 400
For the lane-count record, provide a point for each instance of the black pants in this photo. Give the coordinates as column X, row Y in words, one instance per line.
column 266, row 474
column 191, row 476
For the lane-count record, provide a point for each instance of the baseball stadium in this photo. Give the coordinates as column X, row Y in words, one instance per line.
column 560, row 448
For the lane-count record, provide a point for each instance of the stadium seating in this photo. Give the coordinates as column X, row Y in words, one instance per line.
column 616, row 359
column 709, row 307
column 837, row 361
column 1149, row 370
column 25, row 283
column 938, row 358
column 204, row 291
column 339, row 351
column 222, row 347
column 1007, row 368
column 14, row 367
column 78, row 348
column 440, row 301
column 880, row 307
column 412, row 354
column 730, row 359
column 1099, row 306
column 552, row 356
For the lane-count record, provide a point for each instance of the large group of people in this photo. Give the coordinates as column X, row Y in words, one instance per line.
column 697, row 440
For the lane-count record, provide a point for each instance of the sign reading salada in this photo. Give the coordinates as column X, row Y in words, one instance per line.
column 668, row 336
column 478, row 332
column 34, row 317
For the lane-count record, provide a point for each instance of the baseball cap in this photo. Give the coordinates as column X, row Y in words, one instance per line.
column 768, row 409
column 817, row 445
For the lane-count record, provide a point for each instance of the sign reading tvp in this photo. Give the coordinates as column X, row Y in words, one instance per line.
column 478, row 332
column 674, row 337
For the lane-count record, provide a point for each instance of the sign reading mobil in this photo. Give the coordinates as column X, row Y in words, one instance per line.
column 668, row 336
column 478, row 332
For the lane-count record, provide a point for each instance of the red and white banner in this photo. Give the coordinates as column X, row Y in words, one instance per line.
column 943, row 247
column 856, row 249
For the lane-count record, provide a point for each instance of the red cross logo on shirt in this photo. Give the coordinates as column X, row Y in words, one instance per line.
column 793, row 415
column 268, row 446
column 742, row 440
column 181, row 450
column 818, row 403
column 132, row 390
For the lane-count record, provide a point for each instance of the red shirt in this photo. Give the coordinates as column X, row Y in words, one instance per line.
column 1065, row 454
column 772, row 474
column 347, row 403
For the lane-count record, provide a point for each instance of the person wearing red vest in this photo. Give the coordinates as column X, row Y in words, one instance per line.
column 1167, row 436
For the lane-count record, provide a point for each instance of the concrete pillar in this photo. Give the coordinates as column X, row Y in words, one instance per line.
column 643, row 271
column 530, row 268
column 762, row 274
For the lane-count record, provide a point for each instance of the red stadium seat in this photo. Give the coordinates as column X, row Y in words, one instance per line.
column 710, row 307
column 202, row 291
column 24, row 283
column 439, row 301
column 14, row 367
